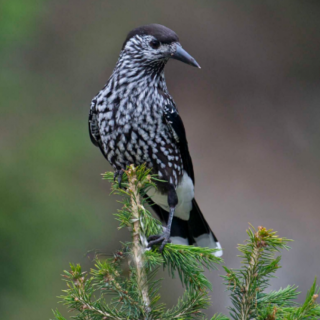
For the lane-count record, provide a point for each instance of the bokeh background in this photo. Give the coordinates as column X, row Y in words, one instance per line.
column 251, row 113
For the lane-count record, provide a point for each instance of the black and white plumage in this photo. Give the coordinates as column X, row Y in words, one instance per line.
column 134, row 120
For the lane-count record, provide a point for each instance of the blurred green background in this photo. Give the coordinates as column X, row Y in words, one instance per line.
column 251, row 114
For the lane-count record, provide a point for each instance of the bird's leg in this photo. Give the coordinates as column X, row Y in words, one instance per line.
column 119, row 174
column 165, row 237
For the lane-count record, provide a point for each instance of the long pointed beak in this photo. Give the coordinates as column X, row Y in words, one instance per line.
column 183, row 56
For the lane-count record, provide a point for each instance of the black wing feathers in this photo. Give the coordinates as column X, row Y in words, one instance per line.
column 93, row 124
column 175, row 123
column 94, row 128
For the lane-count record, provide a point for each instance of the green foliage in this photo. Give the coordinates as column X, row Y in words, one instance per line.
column 219, row 317
column 247, row 285
column 189, row 306
column 190, row 262
column 107, row 292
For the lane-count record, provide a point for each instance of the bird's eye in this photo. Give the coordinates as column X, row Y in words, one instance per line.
column 155, row 44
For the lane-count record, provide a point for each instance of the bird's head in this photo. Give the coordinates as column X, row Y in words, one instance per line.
column 153, row 45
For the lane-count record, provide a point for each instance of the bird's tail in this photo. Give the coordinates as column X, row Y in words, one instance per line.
column 195, row 231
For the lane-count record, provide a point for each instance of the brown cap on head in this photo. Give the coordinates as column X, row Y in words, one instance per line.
column 161, row 33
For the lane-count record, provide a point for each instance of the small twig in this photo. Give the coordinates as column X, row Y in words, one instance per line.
column 88, row 306
column 248, row 296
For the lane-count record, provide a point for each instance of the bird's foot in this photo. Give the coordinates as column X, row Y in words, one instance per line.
column 161, row 239
column 119, row 174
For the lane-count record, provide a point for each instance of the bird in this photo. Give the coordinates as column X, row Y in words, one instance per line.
column 134, row 120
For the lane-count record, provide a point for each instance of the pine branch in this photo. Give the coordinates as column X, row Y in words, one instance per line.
column 137, row 296
column 248, row 290
column 189, row 262
column 247, row 284
column 106, row 277
column 79, row 297
column 309, row 310
column 138, row 238
column 188, row 306
column 219, row 317
column 283, row 297
column 58, row 315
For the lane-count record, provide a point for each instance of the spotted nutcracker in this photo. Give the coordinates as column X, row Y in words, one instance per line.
column 134, row 120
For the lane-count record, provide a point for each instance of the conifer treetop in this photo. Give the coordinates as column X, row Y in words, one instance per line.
column 108, row 293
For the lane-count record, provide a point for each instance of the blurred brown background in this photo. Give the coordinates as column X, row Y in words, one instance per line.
column 251, row 114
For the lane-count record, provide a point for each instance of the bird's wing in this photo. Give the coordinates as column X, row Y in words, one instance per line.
column 176, row 126
column 93, row 124
column 94, row 127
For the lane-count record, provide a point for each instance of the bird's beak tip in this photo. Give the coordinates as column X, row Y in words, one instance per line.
column 182, row 55
column 194, row 63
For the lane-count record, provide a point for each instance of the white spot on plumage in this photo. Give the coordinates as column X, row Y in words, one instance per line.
column 175, row 174
column 206, row 240
column 108, row 115
column 126, row 128
column 121, row 146
column 110, row 155
column 179, row 240
column 185, row 193
column 128, row 156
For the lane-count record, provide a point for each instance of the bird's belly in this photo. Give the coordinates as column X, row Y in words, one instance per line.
column 123, row 149
column 137, row 143
column 185, row 193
